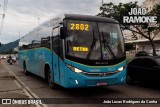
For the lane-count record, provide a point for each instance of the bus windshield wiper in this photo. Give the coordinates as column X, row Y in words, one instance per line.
column 104, row 41
column 92, row 46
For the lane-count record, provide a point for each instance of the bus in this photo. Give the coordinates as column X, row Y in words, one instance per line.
column 75, row 51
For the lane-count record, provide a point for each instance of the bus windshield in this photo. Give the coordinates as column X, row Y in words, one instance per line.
column 94, row 40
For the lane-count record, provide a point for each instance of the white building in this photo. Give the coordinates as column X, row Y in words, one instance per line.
column 149, row 4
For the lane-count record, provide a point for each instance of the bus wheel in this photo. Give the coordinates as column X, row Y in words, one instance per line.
column 50, row 83
column 129, row 80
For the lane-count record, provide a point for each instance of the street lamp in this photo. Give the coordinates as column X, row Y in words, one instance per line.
column 38, row 18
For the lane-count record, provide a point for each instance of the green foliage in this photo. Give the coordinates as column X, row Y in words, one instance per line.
column 9, row 47
column 118, row 12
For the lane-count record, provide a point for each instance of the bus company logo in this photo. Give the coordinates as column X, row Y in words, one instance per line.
column 103, row 63
column 6, row 101
column 139, row 16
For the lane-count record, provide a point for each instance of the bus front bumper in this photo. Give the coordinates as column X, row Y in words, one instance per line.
column 76, row 80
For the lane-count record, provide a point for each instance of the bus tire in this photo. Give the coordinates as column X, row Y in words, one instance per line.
column 51, row 84
column 25, row 69
column 129, row 80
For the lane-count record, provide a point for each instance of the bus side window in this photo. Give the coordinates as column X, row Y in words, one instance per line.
column 45, row 42
column 61, row 48
column 35, row 44
column 25, row 47
column 57, row 42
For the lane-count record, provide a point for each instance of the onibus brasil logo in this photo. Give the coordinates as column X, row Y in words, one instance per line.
column 139, row 16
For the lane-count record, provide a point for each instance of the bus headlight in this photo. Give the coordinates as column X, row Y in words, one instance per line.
column 121, row 68
column 74, row 69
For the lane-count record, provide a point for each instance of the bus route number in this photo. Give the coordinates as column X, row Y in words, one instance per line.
column 82, row 27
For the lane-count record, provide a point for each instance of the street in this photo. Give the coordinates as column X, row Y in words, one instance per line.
column 39, row 88
column 104, row 52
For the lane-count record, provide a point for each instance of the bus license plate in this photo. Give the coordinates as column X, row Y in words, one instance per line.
column 101, row 83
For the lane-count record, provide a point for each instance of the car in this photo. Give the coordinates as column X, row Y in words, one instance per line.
column 3, row 57
column 144, row 68
column 141, row 53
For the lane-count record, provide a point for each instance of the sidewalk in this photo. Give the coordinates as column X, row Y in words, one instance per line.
column 9, row 88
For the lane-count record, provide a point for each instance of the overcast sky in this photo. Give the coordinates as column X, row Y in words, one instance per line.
column 22, row 15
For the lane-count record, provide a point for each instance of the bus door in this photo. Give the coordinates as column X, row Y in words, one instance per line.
column 58, row 62
column 55, row 56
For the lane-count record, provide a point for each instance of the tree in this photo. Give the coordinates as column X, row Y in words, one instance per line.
column 118, row 11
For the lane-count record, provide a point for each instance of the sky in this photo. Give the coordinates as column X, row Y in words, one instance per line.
column 22, row 16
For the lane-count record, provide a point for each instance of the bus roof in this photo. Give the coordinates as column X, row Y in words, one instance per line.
column 90, row 18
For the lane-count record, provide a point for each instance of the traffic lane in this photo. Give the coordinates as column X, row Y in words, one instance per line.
column 35, row 82
column 9, row 88
column 137, row 90
column 40, row 88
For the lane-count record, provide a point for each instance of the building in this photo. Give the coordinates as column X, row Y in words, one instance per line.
column 149, row 4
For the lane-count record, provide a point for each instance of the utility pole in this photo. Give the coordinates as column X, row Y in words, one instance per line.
column 3, row 14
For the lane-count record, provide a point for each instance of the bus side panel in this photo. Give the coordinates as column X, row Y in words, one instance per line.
column 62, row 72
column 38, row 59
column 20, row 58
column 35, row 60
column 28, row 60
column 55, row 69
column 42, row 54
column 45, row 57
column 23, row 57
column 31, row 62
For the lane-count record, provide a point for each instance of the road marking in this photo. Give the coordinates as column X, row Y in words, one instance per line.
column 26, row 89
column 23, row 89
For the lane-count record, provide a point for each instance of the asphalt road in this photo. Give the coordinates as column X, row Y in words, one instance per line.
column 40, row 88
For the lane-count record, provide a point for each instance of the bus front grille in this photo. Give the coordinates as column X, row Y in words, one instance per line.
column 100, row 74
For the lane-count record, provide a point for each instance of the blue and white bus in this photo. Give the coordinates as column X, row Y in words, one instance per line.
column 75, row 51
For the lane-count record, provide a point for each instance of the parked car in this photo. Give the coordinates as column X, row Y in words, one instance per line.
column 144, row 68
column 141, row 53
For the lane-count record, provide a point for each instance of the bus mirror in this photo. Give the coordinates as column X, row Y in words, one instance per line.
column 62, row 33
